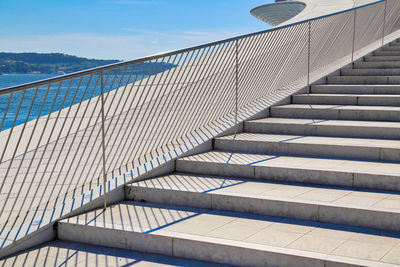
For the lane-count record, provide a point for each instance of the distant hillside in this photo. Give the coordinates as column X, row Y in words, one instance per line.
column 46, row 63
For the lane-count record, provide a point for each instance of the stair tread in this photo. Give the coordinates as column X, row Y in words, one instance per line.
column 356, row 85
column 364, row 76
column 347, row 95
column 298, row 162
column 62, row 253
column 360, row 89
column 348, row 123
column 348, row 99
column 388, row 58
column 377, row 62
column 303, row 238
column 311, row 140
column 371, row 72
column 337, row 107
column 246, row 188
column 372, row 69
column 393, row 65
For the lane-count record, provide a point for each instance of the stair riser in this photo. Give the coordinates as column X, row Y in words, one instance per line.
column 343, row 89
column 376, row 65
column 292, row 175
column 370, row 72
column 387, row 53
column 391, row 48
column 335, row 114
column 115, row 238
column 296, row 210
column 189, row 247
column 363, row 80
column 217, row 201
column 322, row 130
column 382, row 58
column 279, row 148
column 347, row 100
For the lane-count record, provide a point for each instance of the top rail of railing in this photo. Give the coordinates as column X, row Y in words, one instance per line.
column 39, row 83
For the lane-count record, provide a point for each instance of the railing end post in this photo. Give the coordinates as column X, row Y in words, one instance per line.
column 103, row 142
column 236, row 85
column 308, row 57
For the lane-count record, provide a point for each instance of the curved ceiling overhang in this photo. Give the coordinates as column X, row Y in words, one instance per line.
column 284, row 12
column 277, row 13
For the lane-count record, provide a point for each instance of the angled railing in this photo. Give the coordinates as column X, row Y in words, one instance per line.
column 65, row 141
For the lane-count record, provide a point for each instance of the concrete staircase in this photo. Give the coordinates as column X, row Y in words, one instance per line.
column 315, row 184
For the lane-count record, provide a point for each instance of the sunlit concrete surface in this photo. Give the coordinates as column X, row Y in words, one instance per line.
column 232, row 237
column 59, row 253
column 313, row 181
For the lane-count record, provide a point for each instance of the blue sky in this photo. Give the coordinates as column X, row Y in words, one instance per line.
column 121, row 29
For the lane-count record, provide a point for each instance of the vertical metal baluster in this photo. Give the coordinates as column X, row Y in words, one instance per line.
column 46, row 143
column 236, row 85
column 190, row 94
column 25, row 181
column 309, row 57
column 10, row 190
column 154, row 102
column 384, row 24
column 132, row 94
column 6, row 146
column 152, row 72
column 354, row 36
column 13, row 125
column 109, row 96
column 94, row 101
column 10, row 96
column 215, row 60
column 179, row 95
column 103, row 141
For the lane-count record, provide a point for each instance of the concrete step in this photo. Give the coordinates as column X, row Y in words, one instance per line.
column 347, row 99
column 390, row 48
column 381, row 58
column 230, row 238
column 387, row 53
column 370, row 72
column 355, row 89
column 395, row 43
column 314, row 203
column 377, row 65
column 62, row 253
column 363, row 80
column 295, row 169
column 337, row 112
column 317, row 146
column 344, row 128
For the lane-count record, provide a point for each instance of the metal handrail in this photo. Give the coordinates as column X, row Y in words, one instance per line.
column 165, row 54
column 70, row 139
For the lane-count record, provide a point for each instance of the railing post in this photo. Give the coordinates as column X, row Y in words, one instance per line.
column 309, row 57
column 384, row 24
column 354, row 35
column 103, row 142
column 236, row 84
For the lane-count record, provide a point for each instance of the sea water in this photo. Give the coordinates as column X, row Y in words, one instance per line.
column 8, row 80
column 26, row 105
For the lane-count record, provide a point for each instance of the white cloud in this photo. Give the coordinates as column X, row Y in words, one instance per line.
column 125, row 47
